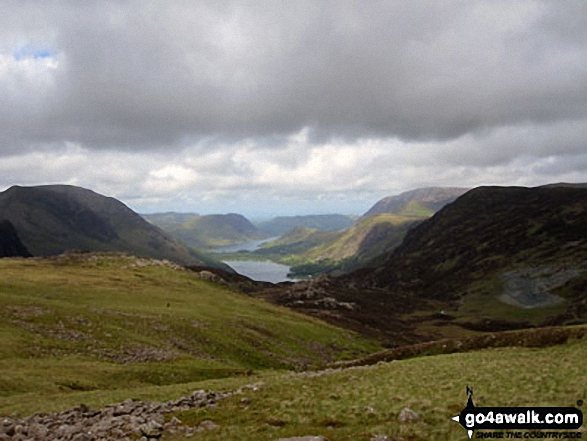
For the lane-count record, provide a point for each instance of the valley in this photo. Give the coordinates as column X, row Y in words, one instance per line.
column 401, row 311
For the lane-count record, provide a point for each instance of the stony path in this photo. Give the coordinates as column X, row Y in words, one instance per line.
column 129, row 419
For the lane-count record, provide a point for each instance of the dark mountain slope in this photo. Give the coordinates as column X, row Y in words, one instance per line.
column 52, row 219
column 10, row 244
column 496, row 258
column 419, row 202
column 488, row 229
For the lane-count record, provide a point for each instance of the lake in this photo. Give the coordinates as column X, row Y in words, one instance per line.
column 261, row 271
column 253, row 269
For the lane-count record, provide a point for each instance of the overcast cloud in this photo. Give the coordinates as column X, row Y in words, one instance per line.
column 267, row 107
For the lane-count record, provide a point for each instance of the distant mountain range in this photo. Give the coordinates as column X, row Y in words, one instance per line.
column 52, row 219
column 364, row 243
column 216, row 230
column 496, row 258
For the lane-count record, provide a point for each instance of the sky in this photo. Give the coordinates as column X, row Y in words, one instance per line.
column 290, row 107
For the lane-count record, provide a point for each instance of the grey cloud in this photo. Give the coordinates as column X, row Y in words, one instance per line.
column 149, row 75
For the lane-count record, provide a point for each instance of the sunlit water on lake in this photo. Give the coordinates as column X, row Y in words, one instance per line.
column 261, row 271
column 256, row 270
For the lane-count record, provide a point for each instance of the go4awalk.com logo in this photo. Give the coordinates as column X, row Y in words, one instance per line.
column 515, row 422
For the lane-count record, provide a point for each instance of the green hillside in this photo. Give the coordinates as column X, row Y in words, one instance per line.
column 294, row 244
column 366, row 239
column 312, row 252
column 87, row 322
column 208, row 231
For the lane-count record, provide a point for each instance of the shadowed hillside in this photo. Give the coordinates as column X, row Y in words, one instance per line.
column 10, row 244
column 496, row 258
column 52, row 219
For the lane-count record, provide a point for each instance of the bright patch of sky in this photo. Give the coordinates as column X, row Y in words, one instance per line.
column 29, row 51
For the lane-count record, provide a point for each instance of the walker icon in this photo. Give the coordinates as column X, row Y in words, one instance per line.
column 470, row 405
column 521, row 418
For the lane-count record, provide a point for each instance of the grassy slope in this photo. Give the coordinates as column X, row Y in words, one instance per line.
column 101, row 323
column 355, row 247
column 357, row 404
column 350, row 242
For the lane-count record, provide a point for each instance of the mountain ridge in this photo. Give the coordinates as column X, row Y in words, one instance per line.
column 420, row 202
column 52, row 219
column 321, row 222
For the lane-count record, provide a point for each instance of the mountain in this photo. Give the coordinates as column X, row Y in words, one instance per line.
column 52, row 219
column 487, row 230
column 10, row 244
column 376, row 233
column 360, row 246
column 207, row 231
column 496, row 258
column 321, row 222
column 311, row 252
column 421, row 202
column 168, row 219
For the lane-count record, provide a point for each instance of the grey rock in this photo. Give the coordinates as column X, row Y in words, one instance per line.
column 207, row 425
column 407, row 415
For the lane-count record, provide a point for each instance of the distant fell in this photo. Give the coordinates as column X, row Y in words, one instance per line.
column 10, row 244
column 168, row 218
column 321, row 222
column 208, row 231
column 565, row 184
column 357, row 247
column 52, row 219
column 421, row 202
